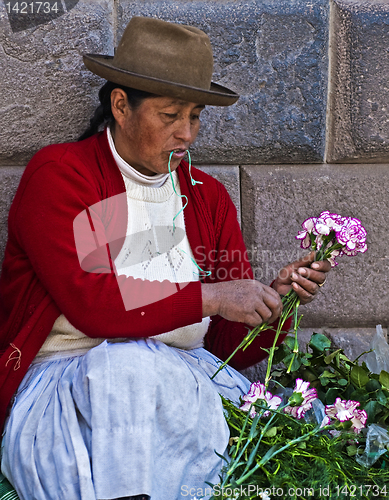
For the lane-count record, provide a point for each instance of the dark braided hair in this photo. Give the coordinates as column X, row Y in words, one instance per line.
column 103, row 114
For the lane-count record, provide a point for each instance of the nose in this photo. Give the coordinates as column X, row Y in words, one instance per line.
column 186, row 131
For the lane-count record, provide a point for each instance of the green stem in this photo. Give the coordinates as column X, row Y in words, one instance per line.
column 262, row 462
column 290, row 301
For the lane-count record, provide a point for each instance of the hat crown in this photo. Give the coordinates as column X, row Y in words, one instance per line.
column 172, row 52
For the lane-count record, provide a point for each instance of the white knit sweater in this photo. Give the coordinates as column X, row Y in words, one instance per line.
column 161, row 253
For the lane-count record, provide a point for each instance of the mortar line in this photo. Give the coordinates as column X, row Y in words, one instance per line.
column 115, row 23
column 329, row 107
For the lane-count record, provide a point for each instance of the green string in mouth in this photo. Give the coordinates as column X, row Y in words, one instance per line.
column 206, row 273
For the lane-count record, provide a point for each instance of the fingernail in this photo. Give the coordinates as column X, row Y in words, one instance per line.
column 294, row 276
column 302, row 271
column 315, row 265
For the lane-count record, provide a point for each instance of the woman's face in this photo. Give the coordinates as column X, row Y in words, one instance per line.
column 145, row 136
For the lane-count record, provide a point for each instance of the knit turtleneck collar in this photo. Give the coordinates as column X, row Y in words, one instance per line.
column 154, row 181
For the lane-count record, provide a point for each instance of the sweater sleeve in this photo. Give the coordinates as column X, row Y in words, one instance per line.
column 232, row 263
column 98, row 303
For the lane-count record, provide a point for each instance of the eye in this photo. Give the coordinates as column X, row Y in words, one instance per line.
column 195, row 117
column 171, row 116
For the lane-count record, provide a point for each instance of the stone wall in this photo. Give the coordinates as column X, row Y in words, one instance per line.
column 309, row 133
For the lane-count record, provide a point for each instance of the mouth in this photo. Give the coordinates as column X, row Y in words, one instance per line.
column 178, row 153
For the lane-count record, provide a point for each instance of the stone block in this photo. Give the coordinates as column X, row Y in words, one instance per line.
column 277, row 199
column 354, row 341
column 9, row 181
column 47, row 95
column 358, row 111
column 229, row 177
column 274, row 54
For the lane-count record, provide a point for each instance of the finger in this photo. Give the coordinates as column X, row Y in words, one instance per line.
column 274, row 303
column 266, row 314
column 304, row 296
column 315, row 276
column 254, row 319
column 323, row 266
column 307, row 284
column 269, row 291
column 305, row 261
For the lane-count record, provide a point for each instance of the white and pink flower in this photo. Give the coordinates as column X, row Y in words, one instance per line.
column 342, row 235
column 309, row 228
column 258, row 391
column 353, row 236
column 359, row 421
column 301, row 399
column 333, row 221
column 344, row 410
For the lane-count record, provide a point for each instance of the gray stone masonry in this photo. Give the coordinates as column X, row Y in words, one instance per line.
column 274, row 54
column 278, row 198
column 46, row 93
column 359, row 98
column 229, row 176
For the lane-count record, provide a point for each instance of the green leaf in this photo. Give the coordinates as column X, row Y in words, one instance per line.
column 381, row 398
column 331, row 396
column 296, row 364
column 269, row 454
column 384, row 379
column 351, row 450
column 253, row 431
column 328, row 374
column 271, row 432
column 350, row 389
column 358, row 376
column 305, row 361
column 342, row 382
column 289, row 341
column 281, row 352
column 319, row 342
column 324, row 381
column 373, row 386
column 372, row 408
column 360, row 395
column 331, row 356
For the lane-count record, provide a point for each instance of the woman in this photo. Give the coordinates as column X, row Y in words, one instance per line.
column 120, row 267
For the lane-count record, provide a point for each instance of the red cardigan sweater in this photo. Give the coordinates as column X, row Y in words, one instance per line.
column 42, row 277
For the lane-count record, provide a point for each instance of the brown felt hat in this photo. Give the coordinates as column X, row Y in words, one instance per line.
column 165, row 59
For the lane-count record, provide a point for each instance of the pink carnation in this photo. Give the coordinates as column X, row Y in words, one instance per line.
column 309, row 227
column 353, row 236
column 258, row 391
column 301, row 391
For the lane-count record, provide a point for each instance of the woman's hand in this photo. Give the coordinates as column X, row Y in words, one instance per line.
column 245, row 301
column 304, row 276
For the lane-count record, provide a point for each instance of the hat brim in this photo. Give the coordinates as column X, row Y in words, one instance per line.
column 103, row 66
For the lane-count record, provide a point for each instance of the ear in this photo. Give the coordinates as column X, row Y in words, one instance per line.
column 119, row 105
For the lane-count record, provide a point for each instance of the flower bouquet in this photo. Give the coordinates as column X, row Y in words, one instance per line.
column 315, row 435
column 330, row 235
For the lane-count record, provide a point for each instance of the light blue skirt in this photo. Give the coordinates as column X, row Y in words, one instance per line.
column 124, row 419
